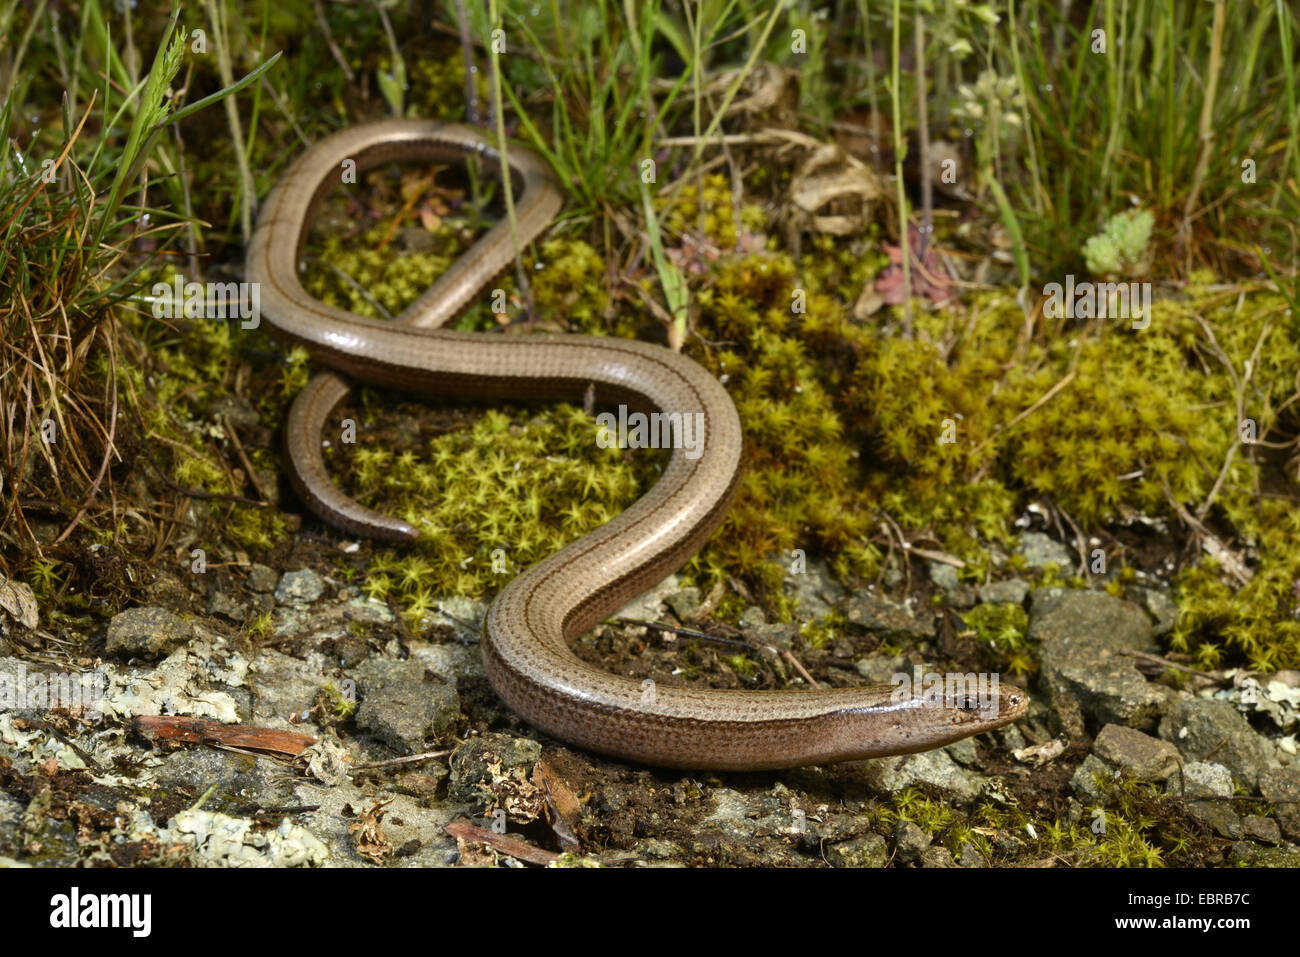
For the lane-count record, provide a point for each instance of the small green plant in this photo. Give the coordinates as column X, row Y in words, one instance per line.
column 1120, row 249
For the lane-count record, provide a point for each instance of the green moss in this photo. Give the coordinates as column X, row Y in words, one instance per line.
column 337, row 704
column 491, row 500
column 1004, row 627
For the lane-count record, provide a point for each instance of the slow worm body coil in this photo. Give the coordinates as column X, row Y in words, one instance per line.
column 525, row 641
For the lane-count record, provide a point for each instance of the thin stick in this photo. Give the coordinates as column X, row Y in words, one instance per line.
column 409, row 759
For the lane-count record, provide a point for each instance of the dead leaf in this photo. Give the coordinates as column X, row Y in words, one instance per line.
column 19, row 602
column 371, row 842
column 564, row 807
column 1040, row 754
column 928, row 278
column 466, row 832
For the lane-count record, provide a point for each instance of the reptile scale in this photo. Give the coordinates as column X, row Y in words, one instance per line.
column 525, row 638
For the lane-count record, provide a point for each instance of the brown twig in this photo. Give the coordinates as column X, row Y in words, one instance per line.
column 408, row 759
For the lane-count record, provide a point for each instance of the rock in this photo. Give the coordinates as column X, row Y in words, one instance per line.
column 462, row 616
column 910, row 841
column 880, row 669
column 814, row 589
column 147, row 633
column 261, row 578
column 944, row 575
column 1079, row 614
column 971, row 857
column 1084, row 782
column 1144, row 757
column 892, row 621
column 752, row 617
column 1262, row 829
column 480, row 762
column 964, row 752
column 1162, row 609
column 936, row 855
column 870, row 850
column 286, row 685
column 778, row 635
column 1283, row 785
column 887, row 776
column 1272, row 857
column 1043, row 601
column 1201, row 727
column 1039, row 551
column 1009, row 592
column 1082, row 633
column 219, row 603
column 218, row 840
column 684, row 603
column 401, row 708
column 1086, row 679
column 299, row 588
column 1200, row 779
column 1219, row 816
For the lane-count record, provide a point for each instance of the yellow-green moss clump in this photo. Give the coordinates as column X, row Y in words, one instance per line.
column 491, row 500
column 723, row 219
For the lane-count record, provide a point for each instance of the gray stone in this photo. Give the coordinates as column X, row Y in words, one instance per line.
column 910, row 841
column 936, row 855
column 1162, row 609
column 1272, row 857
column 261, row 578
column 1010, row 592
column 1282, row 785
column 1081, row 614
column 870, row 850
column 1084, row 783
column 1200, row 779
column 814, row 589
column 964, row 752
column 1082, row 634
column 971, row 857
column 1140, row 755
column 1205, row 727
column 480, row 761
column 285, row 685
column 888, row 776
column 401, row 708
column 1086, row 678
column 944, row 575
column 1262, row 829
column 778, row 635
column 880, row 669
column 219, row 603
column 1039, row 551
column 1218, row 816
column 299, row 588
column 890, row 620
column 684, row 603
column 1043, row 601
column 147, row 633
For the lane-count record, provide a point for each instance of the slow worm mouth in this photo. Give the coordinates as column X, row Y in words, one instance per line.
column 524, row 652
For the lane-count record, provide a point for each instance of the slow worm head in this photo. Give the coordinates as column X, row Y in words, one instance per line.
column 526, row 635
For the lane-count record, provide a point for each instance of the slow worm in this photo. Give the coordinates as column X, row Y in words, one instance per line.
column 525, row 643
